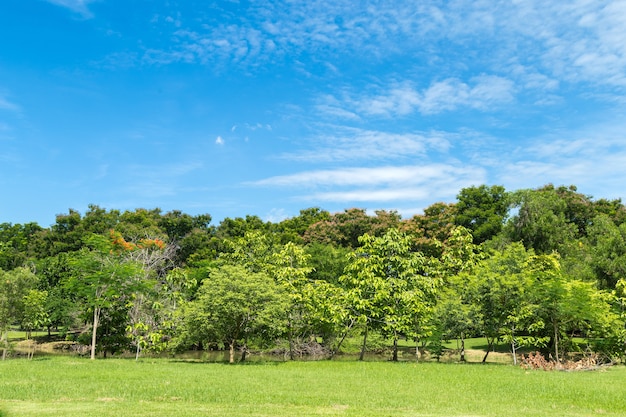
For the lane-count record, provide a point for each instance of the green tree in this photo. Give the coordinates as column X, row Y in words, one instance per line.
column 15, row 243
column 290, row 268
column 607, row 243
column 293, row 229
column 327, row 261
column 500, row 284
column 233, row 306
column 482, row 210
column 456, row 314
column 14, row 286
column 389, row 286
column 566, row 305
column 106, row 277
column 35, row 315
column 541, row 222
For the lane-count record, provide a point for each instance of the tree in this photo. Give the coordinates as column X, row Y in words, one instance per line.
column 15, row 242
column 14, row 287
column 567, row 306
column 106, row 277
column 233, row 306
column 254, row 250
column 431, row 229
column 482, row 210
column 389, row 286
column 61, row 307
column 501, row 284
column 456, row 314
column 35, row 315
column 345, row 228
column 293, row 229
column 290, row 267
column 608, row 251
column 327, row 261
column 540, row 223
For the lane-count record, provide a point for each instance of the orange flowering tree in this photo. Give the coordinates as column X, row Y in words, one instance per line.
column 148, row 320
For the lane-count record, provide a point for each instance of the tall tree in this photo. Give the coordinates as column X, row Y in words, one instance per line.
column 432, row 228
column 14, row 287
column 233, row 306
column 389, row 286
column 500, row 284
column 540, row 222
column 482, row 210
column 607, row 243
column 290, row 267
column 106, row 276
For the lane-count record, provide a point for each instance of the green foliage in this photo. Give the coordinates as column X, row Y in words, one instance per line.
column 553, row 272
column 327, row 261
column 389, row 287
column 541, row 222
column 482, row 210
column 35, row 315
column 233, row 306
column 15, row 243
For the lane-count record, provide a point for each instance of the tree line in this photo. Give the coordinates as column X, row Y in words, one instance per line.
column 534, row 267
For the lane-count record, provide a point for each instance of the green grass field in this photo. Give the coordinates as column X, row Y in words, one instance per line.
column 71, row 386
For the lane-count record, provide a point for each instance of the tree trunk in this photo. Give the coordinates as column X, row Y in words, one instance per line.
column 417, row 349
column 96, row 317
column 489, row 347
column 513, row 347
column 291, row 354
column 137, row 351
column 462, row 347
column 394, row 356
column 5, row 347
column 364, row 344
column 345, row 334
column 556, row 341
column 231, row 357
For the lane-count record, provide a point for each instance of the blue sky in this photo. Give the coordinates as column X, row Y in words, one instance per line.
column 268, row 107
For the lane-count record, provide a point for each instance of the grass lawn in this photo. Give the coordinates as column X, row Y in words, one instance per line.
column 71, row 386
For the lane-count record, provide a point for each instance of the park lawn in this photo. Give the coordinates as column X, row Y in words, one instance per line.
column 71, row 386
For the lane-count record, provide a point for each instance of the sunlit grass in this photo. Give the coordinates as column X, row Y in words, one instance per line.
column 71, row 386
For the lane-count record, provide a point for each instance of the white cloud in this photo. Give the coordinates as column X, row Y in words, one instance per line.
column 219, row 141
column 593, row 158
column 483, row 92
column 79, row 7
column 5, row 104
column 577, row 41
column 369, row 176
column 398, row 184
column 339, row 143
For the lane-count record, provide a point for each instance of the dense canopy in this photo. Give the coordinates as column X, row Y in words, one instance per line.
column 533, row 267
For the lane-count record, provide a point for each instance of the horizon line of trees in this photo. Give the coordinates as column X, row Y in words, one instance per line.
column 532, row 267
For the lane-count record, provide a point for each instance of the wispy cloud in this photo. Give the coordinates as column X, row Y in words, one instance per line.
column 80, row 7
column 592, row 159
column 157, row 181
column 482, row 92
column 367, row 176
column 578, row 41
column 340, row 144
column 380, row 184
column 5, row 104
